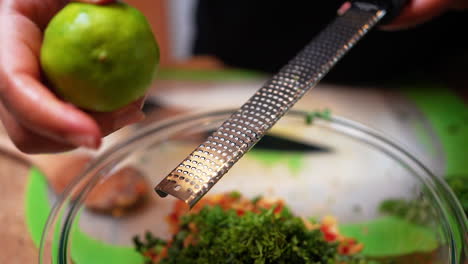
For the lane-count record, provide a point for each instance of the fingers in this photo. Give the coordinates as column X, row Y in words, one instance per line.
column 32, row 143
column 417, row 12
column 31, row 104
column 110, row 122
column 36, row 120
column 37, row 109
column 26, row 140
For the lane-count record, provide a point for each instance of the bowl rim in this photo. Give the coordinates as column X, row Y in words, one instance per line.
column 438, row 187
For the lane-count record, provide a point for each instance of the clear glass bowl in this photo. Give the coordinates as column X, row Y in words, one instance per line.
column 379, row 193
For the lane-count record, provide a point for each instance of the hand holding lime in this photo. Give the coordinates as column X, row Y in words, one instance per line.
column 99, row 57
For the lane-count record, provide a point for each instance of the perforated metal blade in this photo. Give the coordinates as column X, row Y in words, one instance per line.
column 205, row 166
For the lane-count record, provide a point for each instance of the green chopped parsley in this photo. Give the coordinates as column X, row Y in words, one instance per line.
column 214, row 235
column 225, row 237
column 311, row 116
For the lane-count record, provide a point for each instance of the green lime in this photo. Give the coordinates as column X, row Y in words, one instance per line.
column 99, row 57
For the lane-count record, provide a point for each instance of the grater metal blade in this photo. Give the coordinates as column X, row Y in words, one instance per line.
column 205, row 166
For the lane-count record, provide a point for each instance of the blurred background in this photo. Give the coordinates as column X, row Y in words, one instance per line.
column 411, row 85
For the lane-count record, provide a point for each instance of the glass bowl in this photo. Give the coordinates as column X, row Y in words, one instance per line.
column 328, row 165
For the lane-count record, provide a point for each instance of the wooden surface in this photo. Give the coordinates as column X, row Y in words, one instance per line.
column 15, row 243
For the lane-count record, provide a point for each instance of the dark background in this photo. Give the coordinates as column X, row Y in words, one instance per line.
column 264, row 34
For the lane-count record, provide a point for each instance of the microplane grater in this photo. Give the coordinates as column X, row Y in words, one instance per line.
column 205, row 166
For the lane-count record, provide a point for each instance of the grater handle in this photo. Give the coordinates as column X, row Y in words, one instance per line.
column 392, row 7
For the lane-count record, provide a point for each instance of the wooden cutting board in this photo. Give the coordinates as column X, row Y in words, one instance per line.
column 15, row 242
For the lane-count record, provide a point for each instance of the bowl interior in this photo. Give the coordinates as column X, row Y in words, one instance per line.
column 380, row 196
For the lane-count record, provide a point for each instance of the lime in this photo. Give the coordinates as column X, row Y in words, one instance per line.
column 99, row 57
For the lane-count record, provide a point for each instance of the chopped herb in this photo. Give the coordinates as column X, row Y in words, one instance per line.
column 229, row 228
column 235, row 194
column 225, row 237
column 151, row 244
column 256, row 199
column 324, row 114
column 416, row 211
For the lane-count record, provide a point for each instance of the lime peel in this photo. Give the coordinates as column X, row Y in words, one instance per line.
column 100, row 57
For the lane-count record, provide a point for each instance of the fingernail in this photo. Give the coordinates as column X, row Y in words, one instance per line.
column 83, row 141
column 142, row 102
column 128, row 118
column 345, row 7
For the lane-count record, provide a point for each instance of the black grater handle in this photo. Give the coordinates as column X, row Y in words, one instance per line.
column 392, row 7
